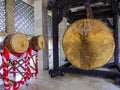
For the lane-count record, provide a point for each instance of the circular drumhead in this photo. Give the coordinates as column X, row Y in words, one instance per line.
column 19, row 43
column 41, row 42
column 88, row 44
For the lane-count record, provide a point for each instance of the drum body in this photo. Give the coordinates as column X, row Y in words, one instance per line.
column 88, row 44
column 37, row 42
column 16, row 43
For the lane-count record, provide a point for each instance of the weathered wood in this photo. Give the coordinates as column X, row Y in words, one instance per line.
column 68, row 2
column 72, row 3
column 10, row 16
column 99, row 12
column 96, row 10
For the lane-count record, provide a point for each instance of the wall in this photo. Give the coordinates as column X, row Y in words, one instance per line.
column 62, row 29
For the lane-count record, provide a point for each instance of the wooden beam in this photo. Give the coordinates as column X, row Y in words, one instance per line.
column 74, row 3
column 104, row 11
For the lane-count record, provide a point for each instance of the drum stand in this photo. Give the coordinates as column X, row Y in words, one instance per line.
column 60, row 9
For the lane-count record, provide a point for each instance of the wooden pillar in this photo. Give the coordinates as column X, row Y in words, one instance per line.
column 10, row 16
column 45, row 34
column 119, row 33
column 40, row 9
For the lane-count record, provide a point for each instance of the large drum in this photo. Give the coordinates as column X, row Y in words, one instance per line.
column 88, row 44
column 16, row 43
column 37, row 42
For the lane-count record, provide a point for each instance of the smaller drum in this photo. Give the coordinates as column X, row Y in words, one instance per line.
column 37, row 42
column 16, row 43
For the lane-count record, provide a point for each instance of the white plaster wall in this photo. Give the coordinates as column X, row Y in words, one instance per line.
column 62, row 29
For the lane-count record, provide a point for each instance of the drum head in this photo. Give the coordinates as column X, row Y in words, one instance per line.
column 19, row 43
column 88, row 44
column 41, row 42
column 37, row 42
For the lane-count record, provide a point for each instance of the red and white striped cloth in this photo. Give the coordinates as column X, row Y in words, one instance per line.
column 6, row 56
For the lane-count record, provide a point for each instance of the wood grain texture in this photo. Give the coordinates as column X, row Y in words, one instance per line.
column 16, row 43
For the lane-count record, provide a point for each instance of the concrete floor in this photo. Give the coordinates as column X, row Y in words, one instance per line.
column 69, row 82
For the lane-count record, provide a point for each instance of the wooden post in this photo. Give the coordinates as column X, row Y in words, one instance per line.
column 45, row 33
column 10, row 16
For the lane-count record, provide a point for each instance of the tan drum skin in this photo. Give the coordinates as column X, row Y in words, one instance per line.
column 88, row 44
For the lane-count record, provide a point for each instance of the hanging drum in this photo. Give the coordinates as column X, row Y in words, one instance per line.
column 88, row 44
column 37, row 42
column 16, row 43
